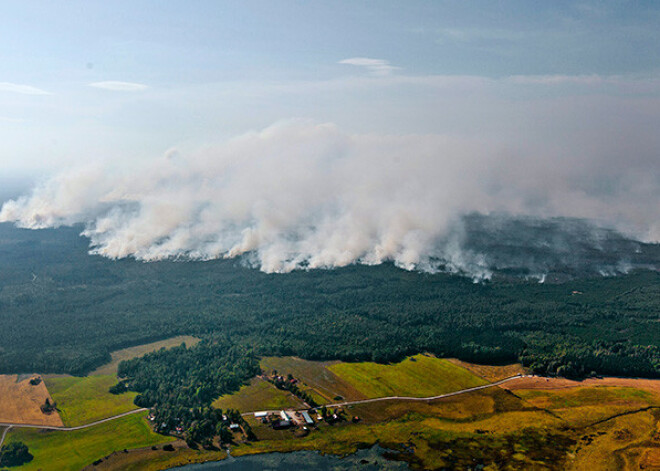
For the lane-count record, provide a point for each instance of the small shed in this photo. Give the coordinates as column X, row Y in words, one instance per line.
column 308, row 419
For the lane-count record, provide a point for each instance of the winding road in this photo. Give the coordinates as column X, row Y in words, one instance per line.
column 405, row 398
column 10, row 425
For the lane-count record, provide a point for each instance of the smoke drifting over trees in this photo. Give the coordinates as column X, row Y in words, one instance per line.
column 307, row 195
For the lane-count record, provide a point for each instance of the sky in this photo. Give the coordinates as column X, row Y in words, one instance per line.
column 127, row 79
column 543, row 108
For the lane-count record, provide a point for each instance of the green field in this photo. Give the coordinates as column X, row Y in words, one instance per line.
column 71, row 451
column 84, row 400
column 418, row 376
column 316, row 377
column 258, row 395
column 139, row 350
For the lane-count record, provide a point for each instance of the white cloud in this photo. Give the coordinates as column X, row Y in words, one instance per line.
column 378, row 67
column 22, row 89
column 119, row 86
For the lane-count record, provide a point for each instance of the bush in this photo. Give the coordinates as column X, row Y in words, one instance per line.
column 14, row 454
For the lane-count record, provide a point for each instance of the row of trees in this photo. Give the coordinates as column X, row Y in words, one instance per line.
column 290, row 384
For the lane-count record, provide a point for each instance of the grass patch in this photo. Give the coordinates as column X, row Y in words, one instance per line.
column 318, row 379
column 140, row 350
column 85, row 400
column 577, row 397
column 71, row 451
column 491, row 373
column 258, row 395
column 418, row 376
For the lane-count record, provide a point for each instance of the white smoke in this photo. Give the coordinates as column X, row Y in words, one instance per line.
column 306, row 195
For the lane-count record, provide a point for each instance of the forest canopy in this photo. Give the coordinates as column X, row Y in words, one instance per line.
column 63, row 311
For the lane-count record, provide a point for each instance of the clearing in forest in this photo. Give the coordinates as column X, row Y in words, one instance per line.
column 20, row 401
column 139, row 350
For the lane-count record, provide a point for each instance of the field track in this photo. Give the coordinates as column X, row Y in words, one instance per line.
column 4, row 434
column 404, row 398
column 68, row 429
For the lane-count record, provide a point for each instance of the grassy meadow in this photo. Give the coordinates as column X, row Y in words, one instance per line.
column 71, row 451
column 316, row 376
column 258, row 395
column 86, row 399
column 417, row 376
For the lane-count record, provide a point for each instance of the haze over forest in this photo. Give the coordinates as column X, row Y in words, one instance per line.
column 289, row 144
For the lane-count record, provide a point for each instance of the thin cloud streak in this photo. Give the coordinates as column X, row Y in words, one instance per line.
column 119, row 86
column 22, row 89
column 379, row 67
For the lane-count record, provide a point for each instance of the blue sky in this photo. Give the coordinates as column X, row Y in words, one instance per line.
column 81, row 80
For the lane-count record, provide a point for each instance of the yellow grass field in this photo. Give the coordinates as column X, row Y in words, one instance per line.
column 139, row 350
column 20, row 401
column 418, row 376
column 258, row 395
column 490, row 373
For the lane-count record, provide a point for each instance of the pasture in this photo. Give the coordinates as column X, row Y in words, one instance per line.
column 82, row 400
column 317, row 378
column 71, row 451
column 418, row 376
column 20, row 401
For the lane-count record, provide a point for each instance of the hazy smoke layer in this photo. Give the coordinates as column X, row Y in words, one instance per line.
column 300, row 194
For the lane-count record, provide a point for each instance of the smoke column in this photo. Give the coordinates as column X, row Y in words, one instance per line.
column 306, row 195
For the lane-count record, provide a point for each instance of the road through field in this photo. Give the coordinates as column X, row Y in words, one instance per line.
column 70, row 429
column 339, row 404
column 404, row 398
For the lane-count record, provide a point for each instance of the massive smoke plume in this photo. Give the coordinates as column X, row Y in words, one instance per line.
column 306, row 195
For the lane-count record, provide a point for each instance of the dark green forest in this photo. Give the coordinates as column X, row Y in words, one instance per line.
column 63, row 311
